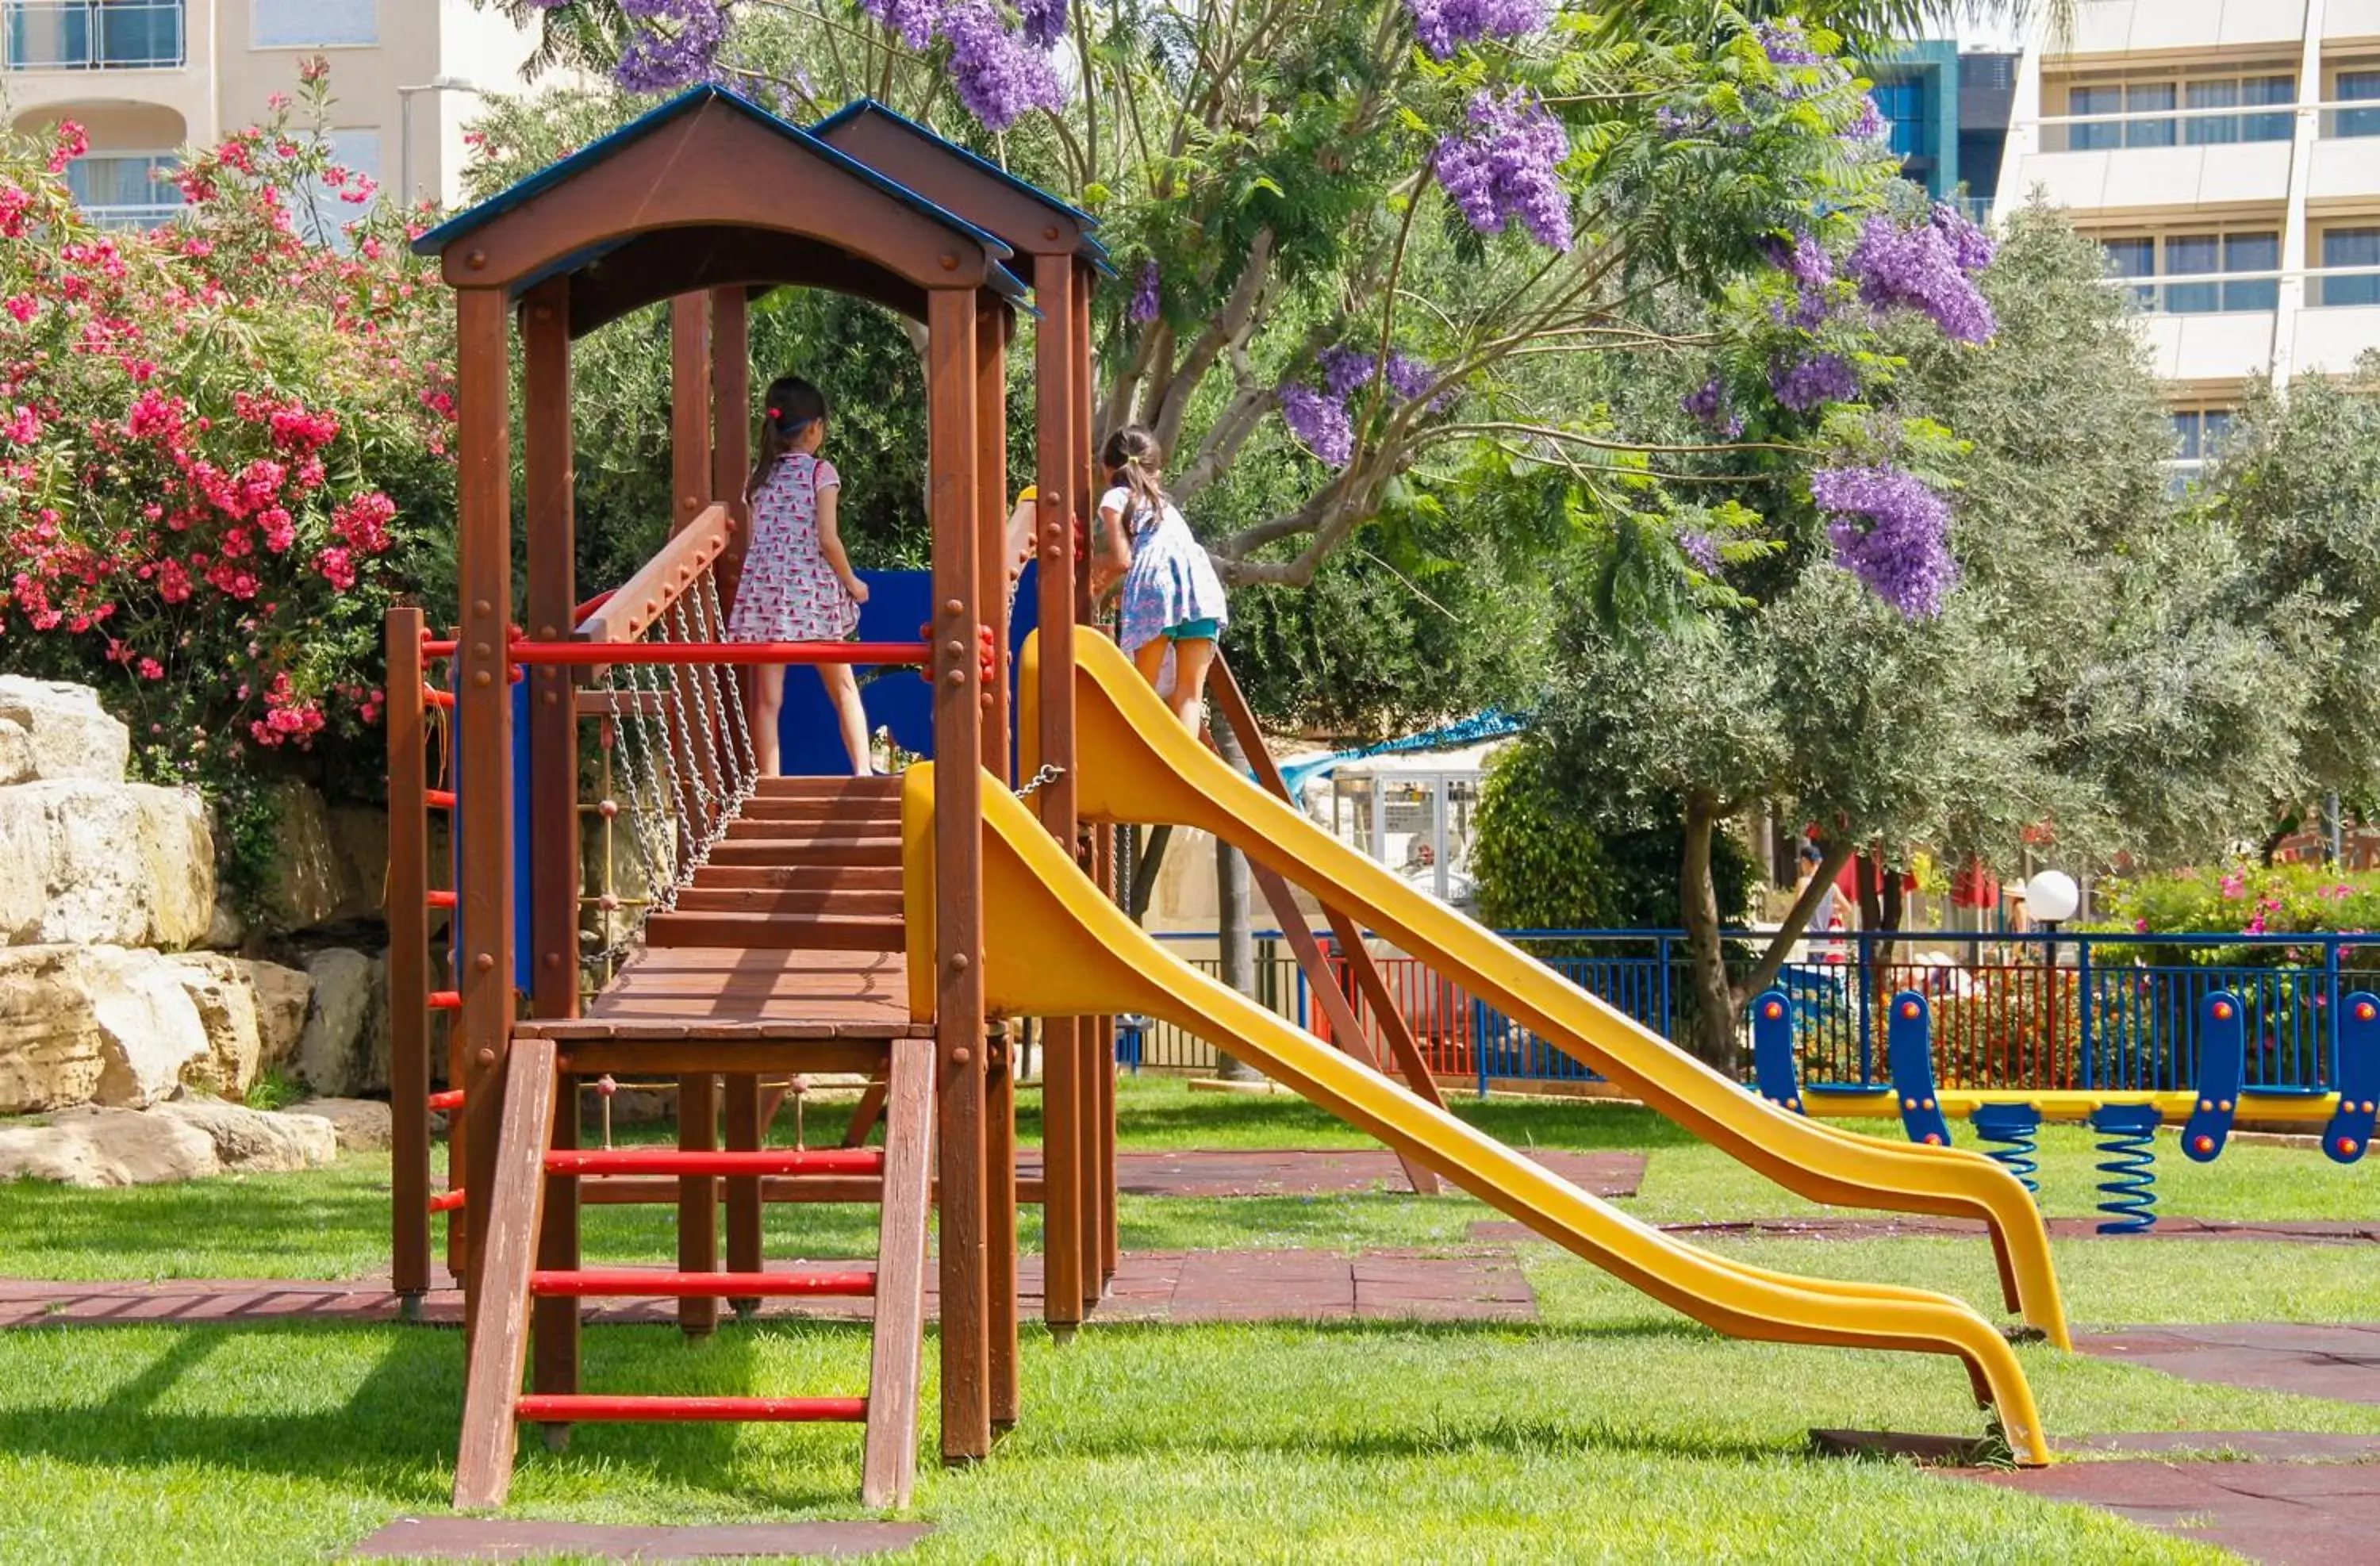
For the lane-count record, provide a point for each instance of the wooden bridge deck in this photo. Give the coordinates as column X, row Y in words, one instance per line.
column 754, row 992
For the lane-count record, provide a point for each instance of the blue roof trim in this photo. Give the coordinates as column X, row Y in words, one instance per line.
column 859, row 106
column 1091, row 251
column 995, row 248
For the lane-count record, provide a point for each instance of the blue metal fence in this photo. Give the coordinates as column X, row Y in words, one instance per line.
column 2114, row 1011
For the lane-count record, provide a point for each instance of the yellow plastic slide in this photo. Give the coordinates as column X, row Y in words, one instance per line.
column 1138, row 764
column 1054, row 946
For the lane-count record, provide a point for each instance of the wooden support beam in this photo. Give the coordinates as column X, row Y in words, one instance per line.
column 746, row 1124
column 1000, row 1241
column 1232, row 704
column 897, row 1348
column 991, row 519
column 497, row 1322
column 483, row 815
column 1099, row 1113
column 698, row 1202
column 689, row 406
column 408, row 958
column 1059, row 389
column 731, row 423
column 952, row 501
column 865, row 1113
column 552, row 596
column 553, row 1323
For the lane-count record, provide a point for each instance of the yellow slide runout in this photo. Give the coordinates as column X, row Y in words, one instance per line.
column 1135, row 763
column 1054, row 946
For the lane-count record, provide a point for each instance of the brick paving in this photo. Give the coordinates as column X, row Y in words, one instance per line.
column 2338, row 1361
column 1152, row 1286
column 2281, row 1513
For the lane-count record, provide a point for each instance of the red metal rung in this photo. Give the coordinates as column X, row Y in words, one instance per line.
column 438, row 798
column 450, row 1099
column 446, row 1201
column 671, row 1160
column 434, row 697
column 432, row 649
column 442, row 899
column 634, row 1283
column 563, row 1408
column 446, row 1000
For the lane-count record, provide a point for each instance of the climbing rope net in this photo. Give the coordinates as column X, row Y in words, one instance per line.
column 676, row 761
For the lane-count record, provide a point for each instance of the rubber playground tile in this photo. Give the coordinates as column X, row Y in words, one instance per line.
column 2282, row 1513
column 1307, row 1172
column 2258, row 1446
column 2341, row 1362
column 1160, row 1286
column 484, row 1538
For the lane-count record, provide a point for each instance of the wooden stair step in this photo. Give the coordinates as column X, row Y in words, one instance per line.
column 827, row 788
column 746, row 827
column 761, row 807
column 861, row 932
column 569, row 1408
column 804, row 850
column 715, row 876
column 778, row 904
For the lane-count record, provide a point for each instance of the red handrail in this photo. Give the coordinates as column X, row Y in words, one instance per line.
column 590, row 654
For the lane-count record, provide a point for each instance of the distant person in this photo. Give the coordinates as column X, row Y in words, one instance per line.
column 1172, row 600
column 797, row 583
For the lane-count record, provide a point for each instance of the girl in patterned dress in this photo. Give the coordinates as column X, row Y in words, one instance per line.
column 797, row 583
column 1172, row 600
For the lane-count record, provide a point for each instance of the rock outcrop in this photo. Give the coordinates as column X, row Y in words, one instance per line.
column 185, row 1140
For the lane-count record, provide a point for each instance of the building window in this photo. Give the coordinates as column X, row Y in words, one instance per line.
column 327, row 213
column 2134, row 113
column 2240, row 270
column 2200, row 434
column 126, row 191
column 2346, row 248
column 1908, row 116
column 2357, row 87
column 314, row 24
column 95, row 34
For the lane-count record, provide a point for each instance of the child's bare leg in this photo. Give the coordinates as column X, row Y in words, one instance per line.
column 843, row 689
column 1192, row 658
column 768, row 700
column 1149, row 659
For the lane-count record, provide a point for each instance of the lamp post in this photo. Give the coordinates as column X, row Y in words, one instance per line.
column 2052, row 898
column 404, row 96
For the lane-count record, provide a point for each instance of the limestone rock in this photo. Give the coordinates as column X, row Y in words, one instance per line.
column 364, row 1125
column 79, row 1023
column 96, row 1147
column 226, row 1004
column 346, row 1024
column 104, row 863
column 53, row 732
column 359, row 845
column 321, row 874
column 253, row 1141
column 283, row 998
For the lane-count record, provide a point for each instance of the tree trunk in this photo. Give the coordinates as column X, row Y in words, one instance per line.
column 1796, row 921
column 1714, row 1000
column 1147, row 862
column 1232, row 931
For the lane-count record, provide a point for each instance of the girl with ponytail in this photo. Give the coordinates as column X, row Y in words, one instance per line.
column 797, row 583
column 1172, row 600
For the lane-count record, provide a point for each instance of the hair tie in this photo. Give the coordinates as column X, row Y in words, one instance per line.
column 773, row 414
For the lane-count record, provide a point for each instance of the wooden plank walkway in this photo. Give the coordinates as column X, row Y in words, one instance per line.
column 759, row 993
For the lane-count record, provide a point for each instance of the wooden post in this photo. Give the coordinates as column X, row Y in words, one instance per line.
column 999, row 1047
column 690, row 406
column 553, row 594
column 483, row 815
column 1098, row 1122
column 1058, row 389
column 697, row 1199
column 1000, row 1077
column 1095, row 1036
column 746, row 1122
column 951, row 503
column 890, row 1465
column 408, row 962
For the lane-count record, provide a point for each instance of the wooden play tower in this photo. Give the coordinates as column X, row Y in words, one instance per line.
column 782, row 953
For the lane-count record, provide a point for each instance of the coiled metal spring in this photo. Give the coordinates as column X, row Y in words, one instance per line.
column 2127, row 1142
column 2010, row 1133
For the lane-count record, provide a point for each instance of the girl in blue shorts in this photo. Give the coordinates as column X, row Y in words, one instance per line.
column 1172, row 600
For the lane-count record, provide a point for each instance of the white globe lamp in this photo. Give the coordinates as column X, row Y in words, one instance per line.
column 2052, row 897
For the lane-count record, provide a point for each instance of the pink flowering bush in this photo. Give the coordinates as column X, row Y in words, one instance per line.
column 2256, row 900
column 222, row 445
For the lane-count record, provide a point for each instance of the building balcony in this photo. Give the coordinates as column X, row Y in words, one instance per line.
column 94, row 35
column 2119, row 26
column 2155, row 159
column 2221, row 328
column 2221, row 347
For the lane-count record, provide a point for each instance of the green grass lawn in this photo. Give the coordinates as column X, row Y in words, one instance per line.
column 1610, row 1430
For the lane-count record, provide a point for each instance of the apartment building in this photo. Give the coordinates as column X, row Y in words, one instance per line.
column 148, row 77
column 1947, row 115
column 2226, row 153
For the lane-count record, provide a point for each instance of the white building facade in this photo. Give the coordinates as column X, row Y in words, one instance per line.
column 146, row 78
column 2227, row 155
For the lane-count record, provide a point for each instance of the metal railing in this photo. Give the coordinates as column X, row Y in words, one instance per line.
column 2138, row 130
column 96, row 34
column 2117, row 1012
column 2217, row 293
column 135, row 215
